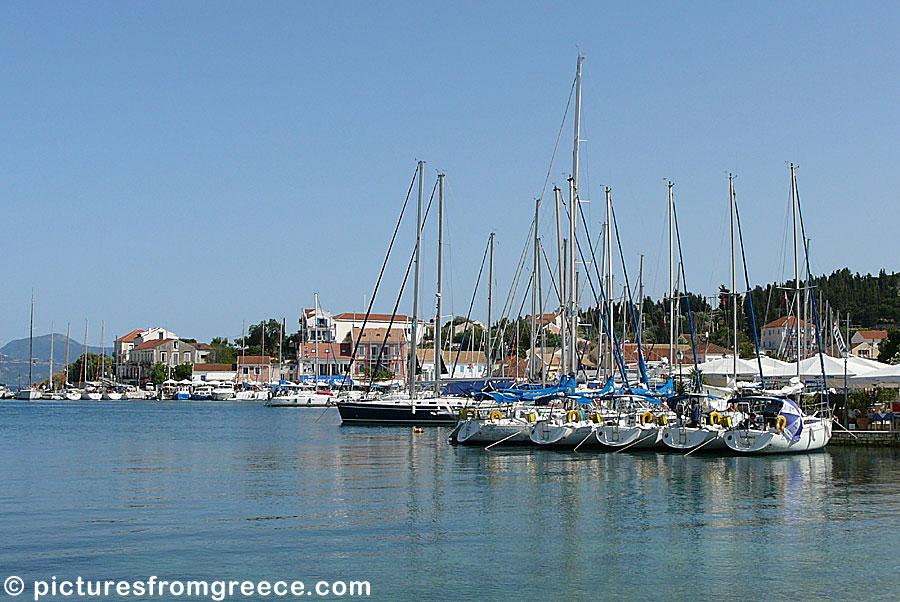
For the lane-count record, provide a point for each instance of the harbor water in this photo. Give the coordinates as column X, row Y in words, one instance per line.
column 181, row 490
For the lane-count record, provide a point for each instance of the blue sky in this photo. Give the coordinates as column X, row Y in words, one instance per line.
column 194, row 165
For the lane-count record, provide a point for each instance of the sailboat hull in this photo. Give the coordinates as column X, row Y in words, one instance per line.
column 485, row 432
column 564, row 435
column 815, row 435
column 28, row 394
column 633, row 437
column 394, row 413
column 685, row 439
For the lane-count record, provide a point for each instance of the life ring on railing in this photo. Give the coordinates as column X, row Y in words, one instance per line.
column 596, row 418
column 467, row 413
column 662, row 420
column 725, row 421
column 573, row 416
column 530, row 417
column 714, row 418
column 647, row 417
column 496, row 415
column 781, row 423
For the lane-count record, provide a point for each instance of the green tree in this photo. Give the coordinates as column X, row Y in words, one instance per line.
column 889, row 350
column 183, row 371
column 92, row 365
column 158, row 373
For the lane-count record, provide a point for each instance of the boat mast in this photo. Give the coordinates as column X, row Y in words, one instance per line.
column 570, row 276
column 562, row 282
column 734, row 294
column 440, row 280
column 490, row 300
column 51, row 355
column 610, row 307
column 66, row 360
column 534, row 290
column 416, row 278
column 316, row 337
column 796, row 267
column 671, row 279
column 100, row 363
column 243, row 337
column 543, row 330
column 31, row 342
column 84, row 354
column 573, row 211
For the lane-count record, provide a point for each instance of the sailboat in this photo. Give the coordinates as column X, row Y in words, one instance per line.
column 30, row 392
column 779, row 424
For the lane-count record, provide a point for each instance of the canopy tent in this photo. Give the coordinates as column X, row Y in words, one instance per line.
column 889, row 375
column 724, row 367
column 862, row 365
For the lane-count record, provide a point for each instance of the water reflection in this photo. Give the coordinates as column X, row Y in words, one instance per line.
column 266, row 493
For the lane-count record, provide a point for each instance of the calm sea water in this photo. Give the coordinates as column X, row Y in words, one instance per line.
column 124, row 490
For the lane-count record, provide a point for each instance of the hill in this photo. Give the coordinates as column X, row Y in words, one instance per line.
column 14, row 357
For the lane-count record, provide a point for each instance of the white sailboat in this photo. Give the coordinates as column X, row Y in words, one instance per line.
column 31, row 392
column 779, row 425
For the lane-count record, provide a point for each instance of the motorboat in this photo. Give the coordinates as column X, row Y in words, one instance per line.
column 223, row 391
column 202, row 393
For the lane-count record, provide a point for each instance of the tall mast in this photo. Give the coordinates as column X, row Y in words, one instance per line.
column 573, row 212
column 570, row 274
column 562, row 282
column 51, row 355
column 243, row 338
column 671, row 278
column 541, row 311
column 66, row 360
column 416, row 278
column 100, row 363
column 84, row 355
column 796, row 266
column 610, row 307
column 734, row 294
column 440, row 280
column 31, row 342
column 316, row 336
column 490, row 300
column 534, row 290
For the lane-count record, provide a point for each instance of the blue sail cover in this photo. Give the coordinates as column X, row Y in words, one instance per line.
column 666, row 390
column 469, row 388
column 566, row 386
column 794, row 421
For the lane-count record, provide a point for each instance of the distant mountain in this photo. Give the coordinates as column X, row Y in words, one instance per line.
column 14, row 357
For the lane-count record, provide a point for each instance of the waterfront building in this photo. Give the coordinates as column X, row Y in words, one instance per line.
column 254, row 368
column 210, row 372
column 866, row 343
column 778, row 337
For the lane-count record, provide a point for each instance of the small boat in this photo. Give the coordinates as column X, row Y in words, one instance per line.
column 91, row 394
column 51, row 395
column 72, row 394
column 400, row 409
column 497, row 427
column 202, row 393
column 182, row 393
column 223, row 392
column 300, row 396
column 111, row 395
column 29, row 394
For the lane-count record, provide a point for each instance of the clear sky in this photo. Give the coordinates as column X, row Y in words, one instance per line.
column 194, row 165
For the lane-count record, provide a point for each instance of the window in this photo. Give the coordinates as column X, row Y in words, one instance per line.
column 187, row 357
column 245, row 370
column 162, row 356
column 175, row 344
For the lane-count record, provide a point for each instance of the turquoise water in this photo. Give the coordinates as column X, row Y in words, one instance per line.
column 125, row 490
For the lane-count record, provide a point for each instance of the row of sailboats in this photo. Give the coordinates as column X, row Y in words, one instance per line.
column 613, row 414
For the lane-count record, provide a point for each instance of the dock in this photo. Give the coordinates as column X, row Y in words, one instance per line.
column 870, row 438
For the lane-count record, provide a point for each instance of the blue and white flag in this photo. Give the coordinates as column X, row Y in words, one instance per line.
column 794, row 422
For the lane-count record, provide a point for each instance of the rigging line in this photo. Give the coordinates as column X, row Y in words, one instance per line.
column 558, row 138
column 737, row 215
column 387, row 334
column 688, row 298
column 809, row 281
column 380, row 276
column 608, row 328
column 637, row 330
column 469, row 314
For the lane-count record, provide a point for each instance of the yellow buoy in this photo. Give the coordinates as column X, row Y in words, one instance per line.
column 647, row 417
column 781, row 423
column 417, row 430
column 714, row 418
